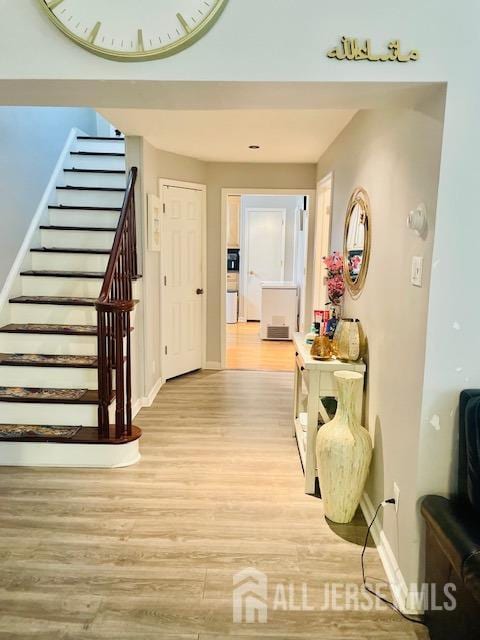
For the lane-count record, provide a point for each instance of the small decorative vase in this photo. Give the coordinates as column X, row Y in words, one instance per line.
column 349, row 340
column 344, row 452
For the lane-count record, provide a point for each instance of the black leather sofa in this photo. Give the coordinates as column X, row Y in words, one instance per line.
column 453, row 535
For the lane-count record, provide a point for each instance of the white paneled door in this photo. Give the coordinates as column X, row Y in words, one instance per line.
column 183, row 280
column 265, row 255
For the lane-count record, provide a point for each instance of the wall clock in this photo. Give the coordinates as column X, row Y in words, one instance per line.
column 131, row 30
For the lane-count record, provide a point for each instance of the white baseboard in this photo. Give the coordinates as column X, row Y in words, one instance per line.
column 147, row 401
column 402, row 596
column 215, row 366
column 52, row 454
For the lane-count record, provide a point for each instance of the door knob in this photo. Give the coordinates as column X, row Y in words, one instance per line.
column 199, row 292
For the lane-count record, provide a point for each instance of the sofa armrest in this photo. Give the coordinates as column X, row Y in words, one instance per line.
column 456, row 529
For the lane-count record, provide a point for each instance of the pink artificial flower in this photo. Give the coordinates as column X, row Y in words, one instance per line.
column 335, row 282
column 334, row 263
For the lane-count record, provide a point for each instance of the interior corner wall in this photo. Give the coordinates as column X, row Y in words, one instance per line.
column 155, row 164
column 31, row 140
column 395, row 155
column 237, row 176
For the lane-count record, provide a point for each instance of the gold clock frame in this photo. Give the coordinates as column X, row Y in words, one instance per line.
column 359, row 197
column 139, row 56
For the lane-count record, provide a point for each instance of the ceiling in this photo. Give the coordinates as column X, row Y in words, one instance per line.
column 284, row 135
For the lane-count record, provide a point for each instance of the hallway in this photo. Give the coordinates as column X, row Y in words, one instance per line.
column 246, row 350
column 148, row 552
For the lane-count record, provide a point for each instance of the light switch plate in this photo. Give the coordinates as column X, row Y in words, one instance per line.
column 417, row 271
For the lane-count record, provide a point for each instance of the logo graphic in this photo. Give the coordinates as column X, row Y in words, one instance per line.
column 250, row 597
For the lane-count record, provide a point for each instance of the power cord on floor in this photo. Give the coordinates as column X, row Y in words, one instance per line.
column 370, row 590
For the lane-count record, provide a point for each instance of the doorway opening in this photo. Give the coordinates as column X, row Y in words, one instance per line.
column 266, row 248
column 323, row 224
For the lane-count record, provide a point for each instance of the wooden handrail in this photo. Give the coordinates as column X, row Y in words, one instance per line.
column 114, row 306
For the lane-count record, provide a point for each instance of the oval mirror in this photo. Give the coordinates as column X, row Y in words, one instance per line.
column 356, row 243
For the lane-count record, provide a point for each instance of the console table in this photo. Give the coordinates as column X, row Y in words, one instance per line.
column 314, row 380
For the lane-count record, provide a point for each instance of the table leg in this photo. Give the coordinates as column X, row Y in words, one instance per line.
column 312, row 428
column 296, row 395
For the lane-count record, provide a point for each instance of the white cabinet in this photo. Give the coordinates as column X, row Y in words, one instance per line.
column 233, row 222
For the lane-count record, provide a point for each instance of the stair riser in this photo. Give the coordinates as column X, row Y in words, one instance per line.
column 50, row 286
column 94, row 179
column 42, row 413
column 52, row 314
column 48, row 377
column 69, row 262
column 111, row 163
column 77, row 239
column 100, row 146
column 48, row 344
column 90, row 198
column 69, row 218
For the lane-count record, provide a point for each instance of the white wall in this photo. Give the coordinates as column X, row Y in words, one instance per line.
column 31, row 140
column 395, row 155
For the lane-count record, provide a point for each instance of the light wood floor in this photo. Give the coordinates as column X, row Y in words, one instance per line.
column 148, row 552
column 245, row 349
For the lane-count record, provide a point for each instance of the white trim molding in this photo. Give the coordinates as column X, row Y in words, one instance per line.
column 213, row 366
column 247, row 191
column 404, row 598
column 54, row 454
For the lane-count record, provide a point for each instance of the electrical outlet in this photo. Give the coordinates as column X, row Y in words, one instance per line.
column 396, row 495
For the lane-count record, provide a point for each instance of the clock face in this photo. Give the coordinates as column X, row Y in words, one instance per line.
column 133, row 29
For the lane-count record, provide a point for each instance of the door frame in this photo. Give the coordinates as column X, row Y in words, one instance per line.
column 248, row 191
column 193, row 186
column 245, row 224
column 323, row 217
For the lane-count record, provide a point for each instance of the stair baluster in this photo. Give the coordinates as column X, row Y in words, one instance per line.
column 114, row 307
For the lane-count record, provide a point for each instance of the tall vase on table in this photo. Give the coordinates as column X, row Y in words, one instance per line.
column 344, row 452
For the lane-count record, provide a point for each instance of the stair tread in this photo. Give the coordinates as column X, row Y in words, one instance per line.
column 51, row 329
column 45, row 360
column 109, row 138
column 95, row 275
column 69, row 187
column 74, row 207
column 55, row 227
column 115, row 171
column 48, row 395
column 86, row 435
column 93, row 252
column 67, row 301
column 97, row 153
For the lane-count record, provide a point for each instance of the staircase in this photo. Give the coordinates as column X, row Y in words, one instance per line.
column 49, row 367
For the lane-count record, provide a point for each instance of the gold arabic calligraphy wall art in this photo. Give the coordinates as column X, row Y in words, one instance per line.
column 351, row 49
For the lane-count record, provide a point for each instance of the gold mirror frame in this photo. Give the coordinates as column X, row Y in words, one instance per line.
column 359, row 197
